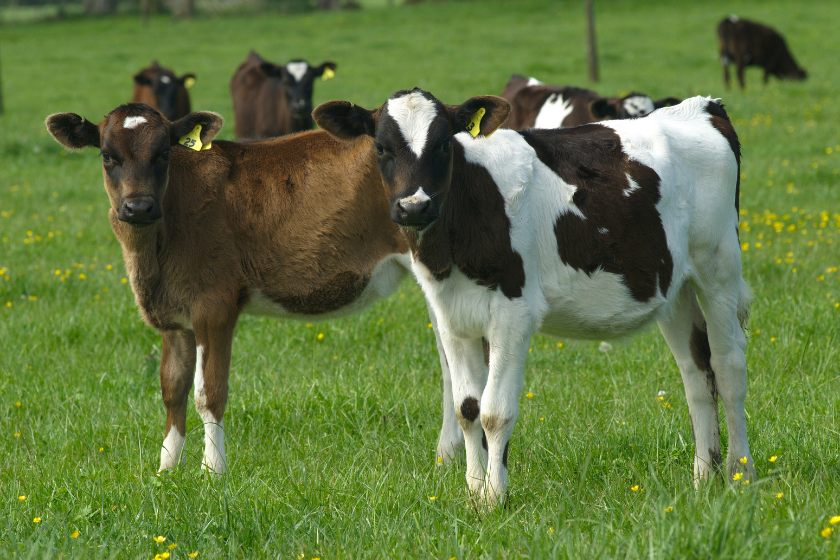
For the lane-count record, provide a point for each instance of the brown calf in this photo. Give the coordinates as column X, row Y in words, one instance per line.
column 161, row 89
column 747, row 43
column 296, row 227
column 538, row 105
column 272, row 100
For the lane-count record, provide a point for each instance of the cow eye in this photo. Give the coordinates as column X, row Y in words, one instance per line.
column 380, row 149
column 445, row 146
column 164, row 156
column 106, row 157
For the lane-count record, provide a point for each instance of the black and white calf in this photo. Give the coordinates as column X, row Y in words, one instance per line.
column 589, row 232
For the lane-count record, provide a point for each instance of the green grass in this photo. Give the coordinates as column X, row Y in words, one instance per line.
column 331, row 443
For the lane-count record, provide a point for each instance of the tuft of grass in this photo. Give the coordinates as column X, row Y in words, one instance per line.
column 331, row 440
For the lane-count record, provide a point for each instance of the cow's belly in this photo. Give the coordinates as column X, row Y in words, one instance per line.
column 595, row 306
column 384, row 279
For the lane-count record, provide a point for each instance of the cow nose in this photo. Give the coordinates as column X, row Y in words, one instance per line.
column 139, row 211
column 412, row 212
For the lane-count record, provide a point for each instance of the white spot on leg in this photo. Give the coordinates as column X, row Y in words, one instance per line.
column 297, row 69
column 131, row 122
column 414, row 114
column 214, row 434
column 170, row 453
column 553, row 112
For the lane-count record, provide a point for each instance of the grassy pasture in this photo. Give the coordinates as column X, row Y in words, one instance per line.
column 331, row 441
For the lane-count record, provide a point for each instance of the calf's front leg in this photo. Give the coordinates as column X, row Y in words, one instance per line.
column 212, row 368
column 176, row 368
column 451, row 441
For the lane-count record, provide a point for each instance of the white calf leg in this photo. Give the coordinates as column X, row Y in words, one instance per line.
column 451, row 441
column 214, row 434
column 170, row 453
column 686, row 335
column 469, row 374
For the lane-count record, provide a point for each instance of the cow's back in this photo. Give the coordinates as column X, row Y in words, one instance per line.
column 527, row 101
column 246, row 86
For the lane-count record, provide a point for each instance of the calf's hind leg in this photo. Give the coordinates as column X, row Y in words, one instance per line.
column 176, row 368
column 686, row 335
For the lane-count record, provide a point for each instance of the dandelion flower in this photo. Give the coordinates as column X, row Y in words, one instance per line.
column 430, row 325
column 529, row 395
column 17, row 434
column 827, row 532
column 834, row 520
column 432, row 498
column 17, row 403
column 36, row 520
column 773, row 459
column 124, row 280
column 737, row 476
column 193, row 554
column 21, row 498
column 780, row 494
column 559, row 345
column 75, row 534
column 159, row 539
column 320, row 336
column 439, row 460
column 743, row 460
column 635, row 488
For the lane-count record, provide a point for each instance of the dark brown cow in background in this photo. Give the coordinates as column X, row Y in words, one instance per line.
column 538, row 105
column 272, row 100
column 747, row 43
column 161, row 89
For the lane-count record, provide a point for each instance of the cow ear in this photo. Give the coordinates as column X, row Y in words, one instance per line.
column 72, row 131
column 273, row 70
column 666, row 102
column 187, row 80
column 486, row 113
column 603, row 108
column 211, row 124
column 142, row 80
column 344, row 120
column 326, row 70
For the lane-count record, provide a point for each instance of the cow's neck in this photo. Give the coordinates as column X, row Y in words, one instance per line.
column 140, row 247
column 473, row 232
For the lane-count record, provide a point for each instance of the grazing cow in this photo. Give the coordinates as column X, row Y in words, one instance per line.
column 272, row 100
column 538, row 105
column 296, row 227
column 161, row 89
column 748, row 43
column 587, row 232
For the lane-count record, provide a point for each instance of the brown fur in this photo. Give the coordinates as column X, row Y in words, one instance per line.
column 590, row 157
column 303, row 219
column 720, row 120
column 145, row 93
column 526, row 101
column 748, row 43
column 469, row 409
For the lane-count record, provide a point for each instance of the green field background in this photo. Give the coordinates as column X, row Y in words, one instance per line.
column 331, row 441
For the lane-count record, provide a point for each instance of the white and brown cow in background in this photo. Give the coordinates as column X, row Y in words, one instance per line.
column 590, row 232
column 538, row 105
column 296, row 227
column 271, row 99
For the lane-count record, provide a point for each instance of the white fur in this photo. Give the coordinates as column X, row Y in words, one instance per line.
column 170, row 452
column 634, row 186
column 165, row 79
column 131, row 122
column 638, row 105
column 297, row 69
column 214, row 434
column 698, row 173
column 414, row 114
column 534, row 82
column 419, row 196
column 554, row 110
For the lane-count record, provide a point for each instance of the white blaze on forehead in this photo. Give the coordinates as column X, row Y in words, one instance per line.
column 553, row 111
column 534, row 82
column 165, row 79
column 414, row 114
column 297, row 69
column 638, row 105
column 131, row 122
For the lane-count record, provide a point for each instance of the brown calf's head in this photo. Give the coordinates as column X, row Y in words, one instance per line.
column 134, row 142
column 627, row 107
column 166, row 86
column 413, row 141
column 298, row 77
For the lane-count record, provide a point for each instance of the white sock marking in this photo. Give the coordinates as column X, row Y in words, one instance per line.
column 414, row 115
column 638, row 105
column 214, row 434
column 297, row 69
column 131, row 122
column 171, row 450
column 553, row 111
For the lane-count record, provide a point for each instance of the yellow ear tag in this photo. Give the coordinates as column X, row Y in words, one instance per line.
column 193, row 139
column 328, row 74
column 189, row 82
column 474, row 126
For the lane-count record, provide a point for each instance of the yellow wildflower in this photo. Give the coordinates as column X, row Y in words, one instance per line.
column 36, row 520
column 21, row 498
column 551, row 530
column 827, row 532
column 193, row 554
column 124, row 280
column 433, row 498
column 669, row 509
column 529, row 395
column 780, row 494
column 743, row 460
column 834, row 520
column 439, row 460
column 75, row 534
column 321, row 336
column 773, row 459
column 159, row 539
column 635, row 488
column 559, row 345
column 737, row 476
